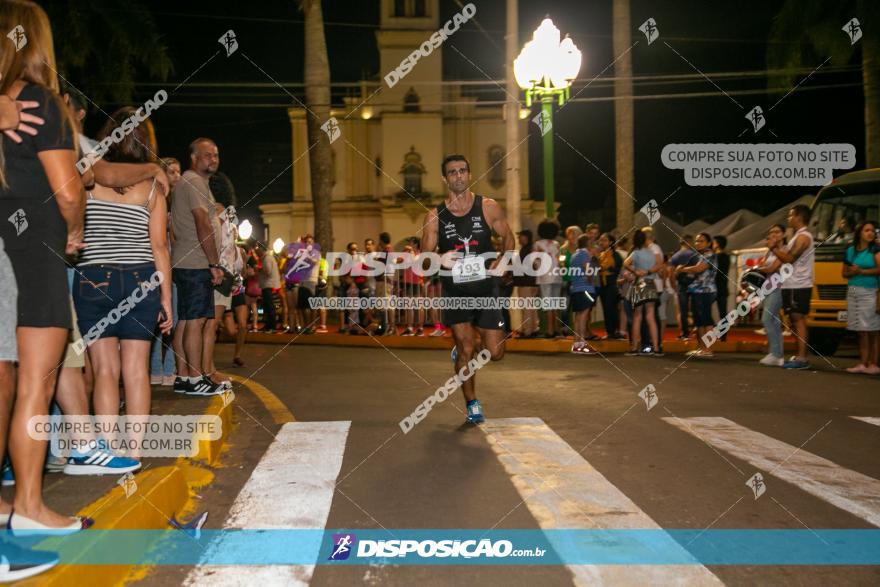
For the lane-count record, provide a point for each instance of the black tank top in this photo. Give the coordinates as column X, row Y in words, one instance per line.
column 470, row 235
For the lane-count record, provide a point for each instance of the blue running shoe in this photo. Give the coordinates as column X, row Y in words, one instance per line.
column 795, row 363
column 8, row 476
column 18, row 563
column 99, row 462
column 475, row 412
column 454, row 354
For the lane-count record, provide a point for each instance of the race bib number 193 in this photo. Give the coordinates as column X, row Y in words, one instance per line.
column 468, row 269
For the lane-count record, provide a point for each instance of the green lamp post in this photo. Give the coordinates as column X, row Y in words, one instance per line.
column 544, row 69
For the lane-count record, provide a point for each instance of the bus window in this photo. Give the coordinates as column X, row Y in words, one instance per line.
column 835, row 215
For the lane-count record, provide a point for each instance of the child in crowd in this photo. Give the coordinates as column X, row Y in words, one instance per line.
column 583, row 295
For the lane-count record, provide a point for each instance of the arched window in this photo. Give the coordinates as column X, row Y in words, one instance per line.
column 412, row 171
column 497, row 168
column 411, row 101
column 410, row 8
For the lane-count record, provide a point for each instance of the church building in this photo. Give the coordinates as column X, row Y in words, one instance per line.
column 386, row 159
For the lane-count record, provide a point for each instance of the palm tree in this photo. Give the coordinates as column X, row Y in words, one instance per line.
column 806, row 32
column 317, row 80
column 98, row 42
column 623, row 116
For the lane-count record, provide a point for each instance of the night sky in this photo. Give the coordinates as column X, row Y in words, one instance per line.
column 251, row 128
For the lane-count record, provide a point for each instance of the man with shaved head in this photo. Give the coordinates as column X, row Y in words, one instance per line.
column 196, row 267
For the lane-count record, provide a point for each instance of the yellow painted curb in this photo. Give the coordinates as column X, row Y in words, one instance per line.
column 209, row 450
column 275, row 406
column 161, row 492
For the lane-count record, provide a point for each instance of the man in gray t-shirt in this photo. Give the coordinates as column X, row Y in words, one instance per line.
column 191, row 194
column 196, row 267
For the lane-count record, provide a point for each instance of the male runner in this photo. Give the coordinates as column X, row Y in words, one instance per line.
column 463, row 224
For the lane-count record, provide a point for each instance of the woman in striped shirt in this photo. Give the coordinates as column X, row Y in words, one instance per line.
column 123, row 286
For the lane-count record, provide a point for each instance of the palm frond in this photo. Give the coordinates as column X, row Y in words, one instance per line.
column 99, row 42
column 805, row 33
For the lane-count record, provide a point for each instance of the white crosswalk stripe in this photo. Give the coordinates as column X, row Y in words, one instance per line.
column 291, row 487
column 849, row 490
column 562, row 490
column 867, row 419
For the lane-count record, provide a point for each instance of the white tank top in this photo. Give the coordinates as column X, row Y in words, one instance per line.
column 802, row 277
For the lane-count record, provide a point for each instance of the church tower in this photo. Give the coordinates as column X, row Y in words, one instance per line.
column 394, row 135
column 410, row 110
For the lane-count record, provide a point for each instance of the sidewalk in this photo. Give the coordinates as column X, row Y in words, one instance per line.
column 738, row 340
column 162, row 489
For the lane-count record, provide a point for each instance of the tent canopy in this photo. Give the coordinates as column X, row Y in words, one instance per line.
column 753, row 235
column 667, row 232
column 696, row 227
column 732, row 223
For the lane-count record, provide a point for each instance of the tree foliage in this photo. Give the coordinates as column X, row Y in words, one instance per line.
column 102, row 46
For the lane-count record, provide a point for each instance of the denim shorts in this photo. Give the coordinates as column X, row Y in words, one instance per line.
column 195, row 293
column 117, row 301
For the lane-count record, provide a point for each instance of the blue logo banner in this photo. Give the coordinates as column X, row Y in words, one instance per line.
column 454, row 547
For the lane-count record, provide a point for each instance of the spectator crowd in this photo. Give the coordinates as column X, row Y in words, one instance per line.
column 639, row 288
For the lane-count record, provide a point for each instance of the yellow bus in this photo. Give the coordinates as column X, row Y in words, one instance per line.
column 837, row 208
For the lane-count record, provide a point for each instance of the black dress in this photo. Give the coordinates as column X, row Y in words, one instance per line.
column 31, row 225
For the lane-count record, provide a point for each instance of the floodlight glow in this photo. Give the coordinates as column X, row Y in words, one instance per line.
column 545, row 61
column 245, row 230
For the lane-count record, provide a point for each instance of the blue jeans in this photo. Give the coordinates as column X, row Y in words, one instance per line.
column 772, row 323
column 157, row 365
column 100, row 295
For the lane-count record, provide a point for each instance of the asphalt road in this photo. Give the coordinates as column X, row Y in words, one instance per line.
column 661, row 464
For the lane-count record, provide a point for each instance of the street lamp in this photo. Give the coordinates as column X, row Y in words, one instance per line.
column 278, row 245
column 544, row 69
